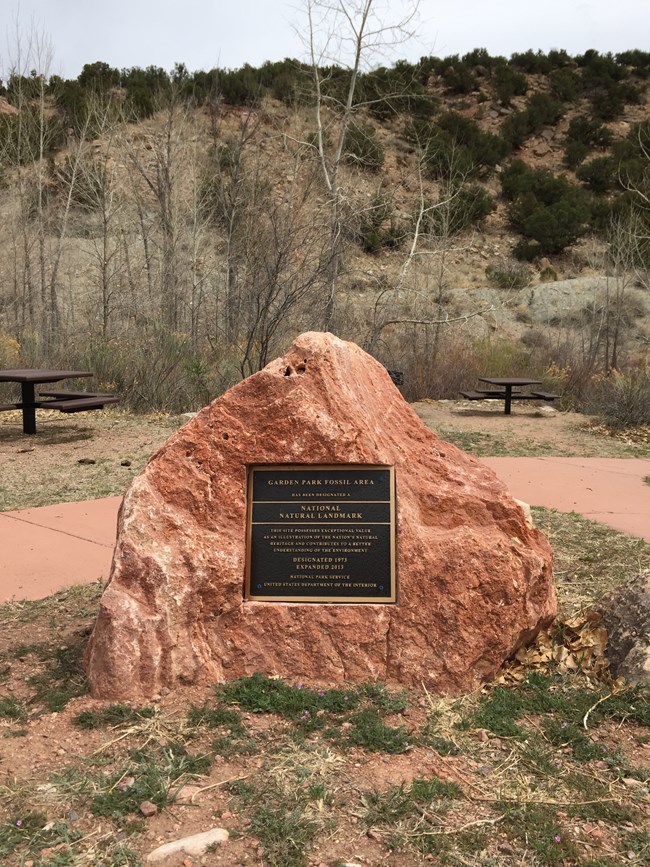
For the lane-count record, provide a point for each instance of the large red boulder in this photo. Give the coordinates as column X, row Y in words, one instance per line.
column 474, row 579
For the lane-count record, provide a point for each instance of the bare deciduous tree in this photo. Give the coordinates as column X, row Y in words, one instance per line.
column 354, row 34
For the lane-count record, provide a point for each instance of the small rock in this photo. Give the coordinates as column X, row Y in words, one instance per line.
column 541, row 150
column 187, row 793
column 86, row 461
column 631, row 855
column 482, row 735
column 631, row 783
column 147, row 808
column 506, row 849
column 374, row 835
column 125, row 463
column 195, row 845
column 73, row 815
column 164, row 690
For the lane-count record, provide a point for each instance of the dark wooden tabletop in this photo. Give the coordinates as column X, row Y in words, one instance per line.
column 509, row 380
column 35, row 375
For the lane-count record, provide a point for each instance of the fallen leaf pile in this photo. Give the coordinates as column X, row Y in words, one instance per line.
column 575, row 645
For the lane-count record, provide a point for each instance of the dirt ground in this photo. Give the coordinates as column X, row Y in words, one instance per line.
column 447, row 782
column 482, row 428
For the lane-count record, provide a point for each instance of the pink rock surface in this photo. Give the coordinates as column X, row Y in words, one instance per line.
column 474, row 581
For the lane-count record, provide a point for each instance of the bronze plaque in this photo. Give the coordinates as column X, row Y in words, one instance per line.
column 321, row 533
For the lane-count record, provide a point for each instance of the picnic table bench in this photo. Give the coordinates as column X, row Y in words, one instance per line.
column 507, row 390
column 64, row 401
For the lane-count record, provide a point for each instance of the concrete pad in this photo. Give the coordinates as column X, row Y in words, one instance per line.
column 609, row 490
column 52, row 547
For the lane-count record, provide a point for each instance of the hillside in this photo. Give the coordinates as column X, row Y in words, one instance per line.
column 173, row 231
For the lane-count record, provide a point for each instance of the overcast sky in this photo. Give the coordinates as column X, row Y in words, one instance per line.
column 228, row 33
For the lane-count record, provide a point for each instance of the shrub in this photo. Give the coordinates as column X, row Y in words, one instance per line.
column 460, row 208
column 622, row 400
column 240, row 86
column 516, row 129
column 545, row 208
column 21, row 136
column 455, row 144
column 460, row 79
column 574, row 153
column 584, row 134
column 558, row 58
column 590, row 131
column 509, row 83
column 509, row 275
column 541, row 110
column 638, row 60
column 98, row 76
column 378, row 228
column 566, row 85
column 534, row 62
column 554, row 226
column 362, row 147
column 485, row 148
column 390, row 91
column 526, row 251
column 548, row 274
column 599, row 174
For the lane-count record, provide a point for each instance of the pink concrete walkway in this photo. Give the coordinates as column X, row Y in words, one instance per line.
column 46, row 549
column 609, row 490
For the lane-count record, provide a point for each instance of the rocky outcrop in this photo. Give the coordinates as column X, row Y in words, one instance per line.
column 474, row 579
column 626, row 616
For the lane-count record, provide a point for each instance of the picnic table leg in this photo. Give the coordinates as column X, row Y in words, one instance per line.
column 508, row 399
column 28, row 398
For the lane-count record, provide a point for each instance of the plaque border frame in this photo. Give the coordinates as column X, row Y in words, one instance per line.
column 331, row 600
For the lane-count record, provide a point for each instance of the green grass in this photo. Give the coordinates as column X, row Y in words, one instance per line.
column 349, row 718
column 114, row 715
column 149, row 774
column 62, row 677
column 538, row 829
column 485, row 445
column 412, row 817
column 28, row 831
column 368, row 731
column 12, row 708
column 284, row 834
column 501, row 709
column 590, row 559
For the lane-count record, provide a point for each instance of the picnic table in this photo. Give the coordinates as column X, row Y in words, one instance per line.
column 64, row 401
column 508, row 389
